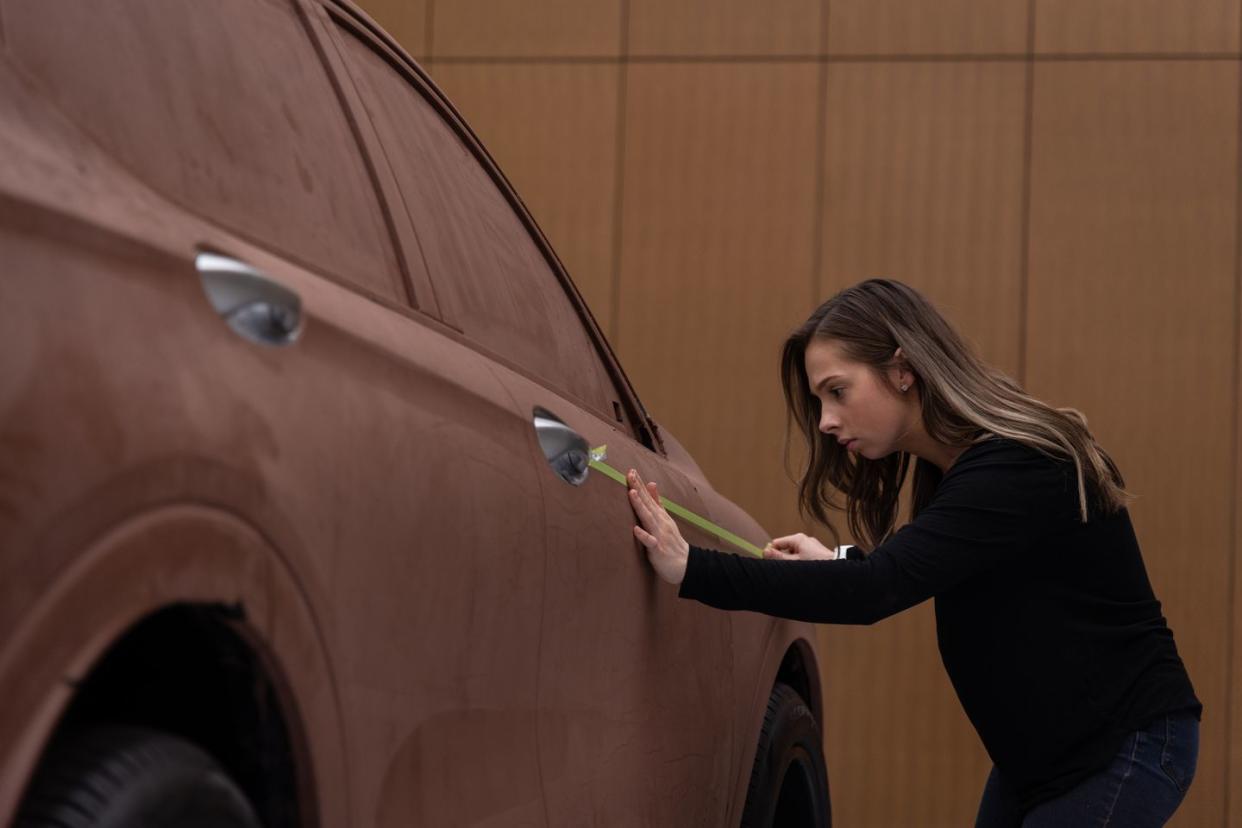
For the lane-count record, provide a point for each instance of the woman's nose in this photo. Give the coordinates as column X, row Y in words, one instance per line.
column 827, row 423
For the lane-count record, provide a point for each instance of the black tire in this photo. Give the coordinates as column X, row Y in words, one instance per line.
column 125, row 777
column 789, row 781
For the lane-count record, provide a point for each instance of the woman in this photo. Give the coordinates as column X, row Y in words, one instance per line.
column 1046, row 620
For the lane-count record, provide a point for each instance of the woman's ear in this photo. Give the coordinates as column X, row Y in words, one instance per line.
column 905, row 377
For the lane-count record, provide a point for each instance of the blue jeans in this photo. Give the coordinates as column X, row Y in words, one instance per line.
column 1143, row 786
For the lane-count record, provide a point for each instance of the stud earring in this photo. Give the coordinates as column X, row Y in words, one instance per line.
column 903, row 389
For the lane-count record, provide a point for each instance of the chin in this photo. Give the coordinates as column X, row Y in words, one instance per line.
column 880, row 455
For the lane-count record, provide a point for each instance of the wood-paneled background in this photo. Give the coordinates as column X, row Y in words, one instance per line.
column 1060, row 176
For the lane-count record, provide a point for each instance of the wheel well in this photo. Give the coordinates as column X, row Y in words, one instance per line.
column 799, row 670
column 195, row 671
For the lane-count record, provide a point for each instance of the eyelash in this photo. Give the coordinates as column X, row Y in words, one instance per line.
column 835, row 390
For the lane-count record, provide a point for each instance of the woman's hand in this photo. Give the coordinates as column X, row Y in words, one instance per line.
column 798, row 547
column 666, row 549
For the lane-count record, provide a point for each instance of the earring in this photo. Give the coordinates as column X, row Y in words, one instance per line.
column 903, row 389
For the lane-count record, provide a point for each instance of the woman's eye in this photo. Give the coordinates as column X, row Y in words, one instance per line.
column 837, row 392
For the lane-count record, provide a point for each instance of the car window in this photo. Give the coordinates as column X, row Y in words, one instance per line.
column 489, row 273
column 226, row 108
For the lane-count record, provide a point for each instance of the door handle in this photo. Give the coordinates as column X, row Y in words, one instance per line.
column 565, row 450
column 253, row 304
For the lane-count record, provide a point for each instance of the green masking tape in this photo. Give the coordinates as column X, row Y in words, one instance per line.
column 597, row 463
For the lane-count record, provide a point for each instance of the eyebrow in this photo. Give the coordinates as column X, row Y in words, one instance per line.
column 828, row 378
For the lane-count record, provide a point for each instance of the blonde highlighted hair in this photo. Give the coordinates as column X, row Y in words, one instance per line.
column 964, row 400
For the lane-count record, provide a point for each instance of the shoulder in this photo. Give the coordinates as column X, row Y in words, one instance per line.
column 995, row 451
column 1009, row 467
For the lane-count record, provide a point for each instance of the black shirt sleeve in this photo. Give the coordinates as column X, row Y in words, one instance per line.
column 985, row 511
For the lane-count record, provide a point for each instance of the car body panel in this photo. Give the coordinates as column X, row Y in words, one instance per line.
column 459, row 632
column 202, row 554
column 634, row 684
column 134, row 415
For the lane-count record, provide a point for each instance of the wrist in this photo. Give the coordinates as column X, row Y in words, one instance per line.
column 685, row 561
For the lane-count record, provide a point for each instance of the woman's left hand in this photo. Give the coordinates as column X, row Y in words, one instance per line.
column 798, row 547
column 666, row 548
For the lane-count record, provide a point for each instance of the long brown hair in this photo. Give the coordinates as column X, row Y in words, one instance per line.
column 964, row 400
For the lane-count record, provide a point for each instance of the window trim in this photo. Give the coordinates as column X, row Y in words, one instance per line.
column 420, row 292
column 346, row 15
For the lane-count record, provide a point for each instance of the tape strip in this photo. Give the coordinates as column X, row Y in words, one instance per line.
column 597, row 463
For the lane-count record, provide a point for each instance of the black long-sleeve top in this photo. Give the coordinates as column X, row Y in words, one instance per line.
column 1047, row 627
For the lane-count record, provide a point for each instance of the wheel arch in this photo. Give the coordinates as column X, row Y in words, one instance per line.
column 188, row 578
column 200, row 671
column 788, row 655
column 800, row 670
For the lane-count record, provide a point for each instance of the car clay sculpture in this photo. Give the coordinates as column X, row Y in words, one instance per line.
column 297, row 523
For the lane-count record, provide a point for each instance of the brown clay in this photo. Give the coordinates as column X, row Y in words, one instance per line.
column 458, row 635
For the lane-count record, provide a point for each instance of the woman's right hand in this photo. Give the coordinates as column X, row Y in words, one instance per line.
column 798, row 547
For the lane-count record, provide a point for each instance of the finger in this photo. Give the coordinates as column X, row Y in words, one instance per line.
column 645, row 490
column 634, row 480
column 647, row 513
column 645, row 538
column 653, row 492
column 638, row 487
column 652, row 505
column 640, row 507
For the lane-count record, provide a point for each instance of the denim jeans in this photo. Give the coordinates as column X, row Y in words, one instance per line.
column 1142, row 787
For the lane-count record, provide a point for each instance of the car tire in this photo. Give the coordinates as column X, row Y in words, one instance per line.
column 112, row 777
column 789, row 780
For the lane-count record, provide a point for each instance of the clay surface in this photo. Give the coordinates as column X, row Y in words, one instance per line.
column 463, row 637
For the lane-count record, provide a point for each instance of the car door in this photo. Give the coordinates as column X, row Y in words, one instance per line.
column 227, row 204
column 635, row 685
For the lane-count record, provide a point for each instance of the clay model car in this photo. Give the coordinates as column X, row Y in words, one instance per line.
column 300, row 522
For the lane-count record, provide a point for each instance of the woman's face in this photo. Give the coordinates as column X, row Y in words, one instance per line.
column 856, row 405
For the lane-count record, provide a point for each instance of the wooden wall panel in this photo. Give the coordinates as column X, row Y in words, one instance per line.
column 1136, row 26
column 728, row 27
column 1233, row 781
column 526, row 28
column 920, row 27
column 405, row 20
column 1131, row 314
column 1131, row 298
column 943, row 213
column 716, row 265
column 900, row 751
column 924, row 175
column 552, row 128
